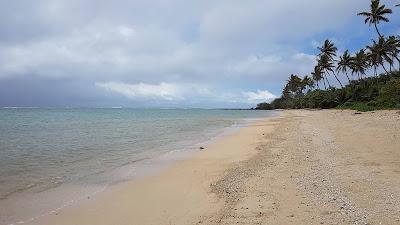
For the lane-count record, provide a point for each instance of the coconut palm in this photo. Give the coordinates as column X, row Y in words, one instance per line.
column 321, row 67
column 344, row 63
column 294, row 85
column 393, row 45
column 317, row 76
column 374, row 58
column 326, row 58
column 329, row 49
column 286, row 92
column 327, row 65
column 380, row 53
column 360, row 63
column 376, row 15
column 374, row 55
column 307, row 82
column 386, row 52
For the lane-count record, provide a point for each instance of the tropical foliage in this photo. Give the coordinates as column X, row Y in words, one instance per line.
column 357, row 90
column 376, row 14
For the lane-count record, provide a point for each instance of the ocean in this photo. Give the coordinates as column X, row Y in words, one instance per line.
column 78, row 152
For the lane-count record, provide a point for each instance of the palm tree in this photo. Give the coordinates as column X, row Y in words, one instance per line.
column 393, row 45
column 286, row 92
column 321, row 68
column 360, row 63
column 307, row 82
column 294, row 85
column 326, row 58
column 329, row 49
column 376, row 14
column 327, row 65
column 398, row 48
column 374, row 59
column 386, row 52
column 380, row 52
column 344, row 63
column 317, row 76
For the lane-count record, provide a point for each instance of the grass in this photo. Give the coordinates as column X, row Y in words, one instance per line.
column 366, row 107
column 359, row 106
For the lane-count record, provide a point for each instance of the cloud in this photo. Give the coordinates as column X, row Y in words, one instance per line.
column 255, row 64
column 219, row 49
column 181, row 92
column 259, row 96
column 164, row 91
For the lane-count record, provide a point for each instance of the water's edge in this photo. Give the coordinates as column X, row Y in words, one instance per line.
column 69, row 195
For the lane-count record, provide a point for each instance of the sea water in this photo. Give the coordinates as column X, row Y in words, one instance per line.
column 46, row 153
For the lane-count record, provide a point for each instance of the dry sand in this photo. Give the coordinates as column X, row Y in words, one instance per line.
column 301, row 167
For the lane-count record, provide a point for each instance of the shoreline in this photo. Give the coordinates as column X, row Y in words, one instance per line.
column 172, row 175
column 138, row 170
column 298, row 167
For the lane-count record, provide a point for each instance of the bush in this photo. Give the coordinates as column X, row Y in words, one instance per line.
column 264, row 106
column 359, row 106
column 389, row 95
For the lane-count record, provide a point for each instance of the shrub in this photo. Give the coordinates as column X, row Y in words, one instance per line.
column 264, row 106
column 389, row 95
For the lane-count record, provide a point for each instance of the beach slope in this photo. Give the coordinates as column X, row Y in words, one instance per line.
column 300, row 167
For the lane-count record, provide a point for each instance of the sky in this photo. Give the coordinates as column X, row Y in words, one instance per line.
column 168, row 53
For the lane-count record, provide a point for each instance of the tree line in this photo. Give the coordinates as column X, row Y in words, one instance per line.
column 349, row 71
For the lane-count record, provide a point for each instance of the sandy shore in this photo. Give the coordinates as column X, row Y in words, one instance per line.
column 301, row 167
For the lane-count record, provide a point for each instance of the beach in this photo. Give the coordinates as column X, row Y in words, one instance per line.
column 298, row 167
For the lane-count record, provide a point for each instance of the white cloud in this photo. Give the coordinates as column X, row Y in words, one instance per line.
column 256, row 64
column 164, row 91
column 179, row 92
column 259, row 96
column 304, row 57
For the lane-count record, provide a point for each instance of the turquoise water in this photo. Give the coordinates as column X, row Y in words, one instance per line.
column 41, row 149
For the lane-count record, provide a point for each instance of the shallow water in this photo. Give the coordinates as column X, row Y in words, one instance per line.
column 42, row 150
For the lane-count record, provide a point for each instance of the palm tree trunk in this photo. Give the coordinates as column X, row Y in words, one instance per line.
column 323, row 79
column 334, row 74
column 328, row 81
column 377, row 30
column 383, row 65
column 398, row 60
column 347, row 77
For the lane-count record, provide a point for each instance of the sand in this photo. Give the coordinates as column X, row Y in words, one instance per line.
column 301, row 167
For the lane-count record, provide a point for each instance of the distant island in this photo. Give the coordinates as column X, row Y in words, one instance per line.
column 362, row 92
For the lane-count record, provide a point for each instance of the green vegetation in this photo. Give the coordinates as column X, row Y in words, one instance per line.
column 362, row 92
column 371, row 93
